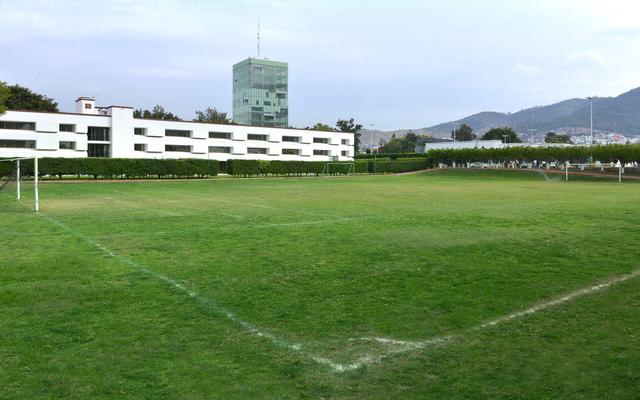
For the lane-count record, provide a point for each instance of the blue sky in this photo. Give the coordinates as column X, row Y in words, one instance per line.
column 395, row 64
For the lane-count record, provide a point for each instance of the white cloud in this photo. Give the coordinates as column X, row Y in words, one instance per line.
column 587, row 59
column 526, row 69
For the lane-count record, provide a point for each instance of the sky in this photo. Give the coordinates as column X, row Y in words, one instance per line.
column 388, row 64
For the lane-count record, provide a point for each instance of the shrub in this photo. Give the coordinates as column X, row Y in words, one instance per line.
column 119, row 167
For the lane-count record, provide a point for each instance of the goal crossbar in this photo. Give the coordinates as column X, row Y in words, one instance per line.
column 351, row 167
column 36, row 197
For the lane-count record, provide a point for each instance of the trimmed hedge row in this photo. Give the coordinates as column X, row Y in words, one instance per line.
column 117, row 167
column 247, row 168
column 609, row 153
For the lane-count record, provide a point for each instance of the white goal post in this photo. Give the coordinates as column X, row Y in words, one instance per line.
column 351, row 167
column 18, row 178
column 582, row 166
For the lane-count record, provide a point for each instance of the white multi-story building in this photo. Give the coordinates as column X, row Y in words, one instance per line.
column 113, row 132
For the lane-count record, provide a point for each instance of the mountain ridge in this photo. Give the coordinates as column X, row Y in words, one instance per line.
column 619, row 114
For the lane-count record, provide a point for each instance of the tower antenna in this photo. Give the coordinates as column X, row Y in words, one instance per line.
column 258, row 37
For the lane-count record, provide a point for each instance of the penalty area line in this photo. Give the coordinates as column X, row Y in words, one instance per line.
column 406, row 346
column 203, row 301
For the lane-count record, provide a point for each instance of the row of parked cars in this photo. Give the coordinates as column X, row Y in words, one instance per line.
column 516, row 164
column 548, row 165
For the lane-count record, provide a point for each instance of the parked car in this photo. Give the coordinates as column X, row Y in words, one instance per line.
column 524, row 164
column 476, row 165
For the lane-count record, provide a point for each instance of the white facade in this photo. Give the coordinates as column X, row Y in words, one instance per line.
column 40, row 134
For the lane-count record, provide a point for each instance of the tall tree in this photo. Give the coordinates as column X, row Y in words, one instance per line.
column 158, row 112
column 405, row 144
column 506, row 134
column 21, row 98
column 464, row 133
column 351, row 127
column 213, row 116
column 553, row 137
column 4, row 95
column 323, row 127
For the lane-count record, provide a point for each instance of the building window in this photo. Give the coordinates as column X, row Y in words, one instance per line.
column 67, row 128
column 18, row 144
column 66, row 145
column 98, row 133
column 178, row 148
column 98, row 150
column 23, row 126
column 177, row 133
column 219, row 135
column 293, row 152
column 140, row 131
column 219, row 149
column 345, row 153
column 321, row 140
column 140, row 147
column 321, row 152
column 256, row 150
column 291, row 139
column 345, row 141
column 262, row 138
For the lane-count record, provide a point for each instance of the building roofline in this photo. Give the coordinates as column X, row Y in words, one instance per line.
column 60, row 112
column 190, row 122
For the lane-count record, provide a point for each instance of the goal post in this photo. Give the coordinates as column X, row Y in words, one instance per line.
column 616, row 170
column 15, row 173
column 347, row 168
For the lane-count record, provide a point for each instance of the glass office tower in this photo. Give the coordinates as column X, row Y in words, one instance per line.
column 260, row 90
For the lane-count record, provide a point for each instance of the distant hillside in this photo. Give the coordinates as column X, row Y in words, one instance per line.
column 619, row 114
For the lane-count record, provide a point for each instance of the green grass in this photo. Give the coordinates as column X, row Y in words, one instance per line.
column 320, row 263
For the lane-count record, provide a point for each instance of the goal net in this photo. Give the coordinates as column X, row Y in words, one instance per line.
column 337, row 168
column 19, row 180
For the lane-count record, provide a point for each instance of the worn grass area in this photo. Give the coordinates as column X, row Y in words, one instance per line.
column 125, row 290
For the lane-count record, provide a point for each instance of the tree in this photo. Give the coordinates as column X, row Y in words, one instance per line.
column 323, row 127
column 21, row 98
column 553, row 137
column 351, row 127
column 4, row 95
column 405, row 144
column 212, row 116
column 158, row 112
column 464, row 133
column 506, row 134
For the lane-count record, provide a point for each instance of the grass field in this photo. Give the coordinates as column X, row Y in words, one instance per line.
column 369, row 287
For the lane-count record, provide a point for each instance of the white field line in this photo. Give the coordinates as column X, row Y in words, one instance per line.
column 205, row 197
column 232, row 228
column 405, row 346
column 136, row 205
column 202, row 300
column 402, row 345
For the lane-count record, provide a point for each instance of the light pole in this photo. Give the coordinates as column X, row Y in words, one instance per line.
column 591, row 129
column 591, row 121
column 371, row 138
column 453, row 136
column 375, row 164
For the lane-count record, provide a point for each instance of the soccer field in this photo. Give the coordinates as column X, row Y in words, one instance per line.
column 475, row 284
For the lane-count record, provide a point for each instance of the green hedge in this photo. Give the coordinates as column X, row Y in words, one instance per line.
column 247, row 168
column 400, row 165
column 117, row 167
column 574, row 154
